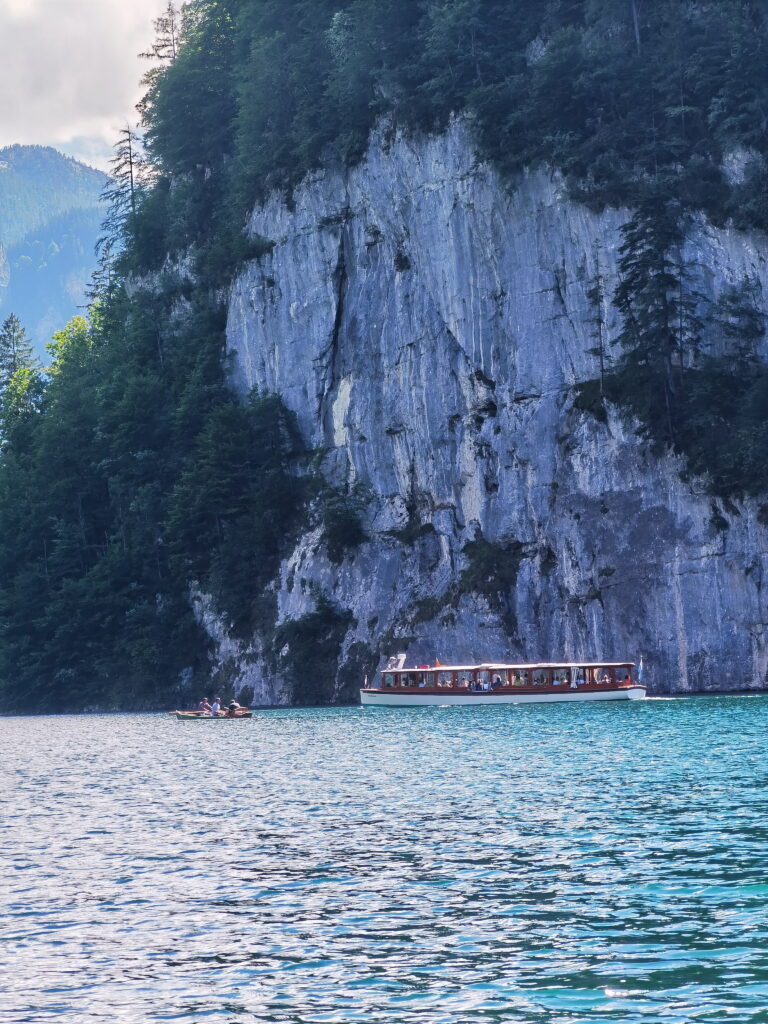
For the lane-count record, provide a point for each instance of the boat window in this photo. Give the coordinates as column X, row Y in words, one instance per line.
column 541, row 677
column 445, row 678
column 604, row 675
column 389, row 679
column 408, row 679
column 520, row 677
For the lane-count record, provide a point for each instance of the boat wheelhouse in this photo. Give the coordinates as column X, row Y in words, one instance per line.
column 541, row 683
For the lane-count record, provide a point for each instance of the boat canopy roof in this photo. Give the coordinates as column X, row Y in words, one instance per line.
column 498, row 666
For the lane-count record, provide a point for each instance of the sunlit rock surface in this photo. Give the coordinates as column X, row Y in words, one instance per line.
column 427, row 325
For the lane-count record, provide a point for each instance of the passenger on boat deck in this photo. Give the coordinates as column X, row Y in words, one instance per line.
column 497, row 680
column 234, row 707
column 216, row 706
column 464, row 684
column 204, row 705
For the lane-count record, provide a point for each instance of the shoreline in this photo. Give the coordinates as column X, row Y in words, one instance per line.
column 94, row 712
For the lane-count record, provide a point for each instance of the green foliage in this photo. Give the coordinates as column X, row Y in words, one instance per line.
column 427, row 609
column 235, row 488
column 308, row 651
column 360, row 662
column 16, row 352
column 272, row 88
column 342, row 523
column 711, row 407
column 130, row 476
column 492, row 568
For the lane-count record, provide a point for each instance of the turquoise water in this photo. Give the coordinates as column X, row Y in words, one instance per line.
column 534, row 863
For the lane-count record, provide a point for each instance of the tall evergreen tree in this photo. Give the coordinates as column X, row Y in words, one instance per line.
column 661, row 328
column 16, row 351
column 128, row 174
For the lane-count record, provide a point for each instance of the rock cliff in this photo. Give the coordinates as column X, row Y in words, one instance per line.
column 427, row 324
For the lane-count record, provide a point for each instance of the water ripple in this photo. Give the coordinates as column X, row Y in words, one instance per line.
column 533, row 864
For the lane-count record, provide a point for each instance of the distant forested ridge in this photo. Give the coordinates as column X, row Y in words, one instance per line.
column 50, row 221
column 132, row 479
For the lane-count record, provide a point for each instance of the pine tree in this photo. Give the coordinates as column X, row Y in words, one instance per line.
column 740, row 323
column 166, row 44
column 162, row 52
column 596, row 300
column 661, row 328
column 16, row 351
column 129, row 176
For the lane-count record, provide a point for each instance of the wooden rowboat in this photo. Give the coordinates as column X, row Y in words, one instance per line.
column 202, row 716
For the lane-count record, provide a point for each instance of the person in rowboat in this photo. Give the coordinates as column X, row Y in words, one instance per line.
column 204, row 706
column 216, row 706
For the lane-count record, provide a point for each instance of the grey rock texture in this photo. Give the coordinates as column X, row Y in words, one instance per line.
column 427, row 325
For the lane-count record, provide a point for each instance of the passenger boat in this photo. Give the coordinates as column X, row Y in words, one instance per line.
column 541, row 683
column 206, row 716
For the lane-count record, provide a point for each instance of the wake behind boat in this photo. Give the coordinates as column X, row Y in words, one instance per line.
column 540, row 683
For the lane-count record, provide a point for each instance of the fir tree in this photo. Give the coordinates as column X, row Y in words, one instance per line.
column 16, row 351
column 661, row 328
column 129, row 172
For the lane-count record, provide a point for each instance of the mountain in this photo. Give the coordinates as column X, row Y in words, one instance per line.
column 440, row 328
column 50, row 217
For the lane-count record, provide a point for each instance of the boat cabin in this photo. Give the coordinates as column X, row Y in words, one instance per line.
column 505, row 678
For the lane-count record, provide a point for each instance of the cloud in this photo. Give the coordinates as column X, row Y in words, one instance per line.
column 69, row 72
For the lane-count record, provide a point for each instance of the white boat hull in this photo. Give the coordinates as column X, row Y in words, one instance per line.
column 393, row 698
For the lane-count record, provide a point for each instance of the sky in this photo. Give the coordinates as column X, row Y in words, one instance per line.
column 69, row 72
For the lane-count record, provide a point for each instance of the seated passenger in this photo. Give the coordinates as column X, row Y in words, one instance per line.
column 204, row 706
column 497, row 681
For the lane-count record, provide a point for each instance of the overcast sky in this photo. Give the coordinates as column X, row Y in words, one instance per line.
column 69, row 74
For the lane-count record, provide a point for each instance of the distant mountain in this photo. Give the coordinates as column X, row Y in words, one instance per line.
column 50, row 215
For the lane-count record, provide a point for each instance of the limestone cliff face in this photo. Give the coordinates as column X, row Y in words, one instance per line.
column 427, row 326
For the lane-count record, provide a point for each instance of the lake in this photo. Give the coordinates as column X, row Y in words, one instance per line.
column 539, row 863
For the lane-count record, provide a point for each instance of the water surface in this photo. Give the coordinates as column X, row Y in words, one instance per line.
column 534, row 863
